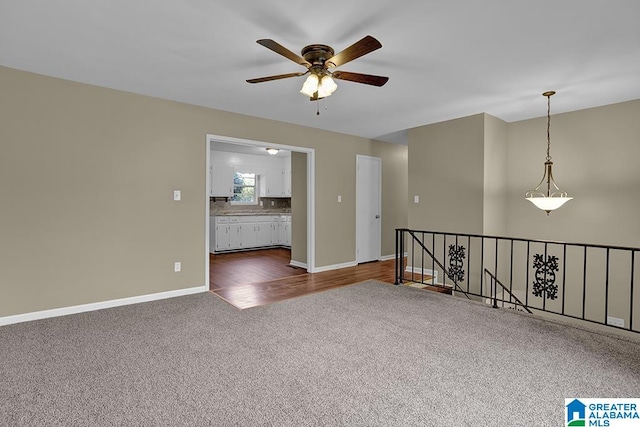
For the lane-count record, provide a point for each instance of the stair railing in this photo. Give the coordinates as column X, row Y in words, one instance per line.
column 495, row 282
column 588, row 282
column 434, row 260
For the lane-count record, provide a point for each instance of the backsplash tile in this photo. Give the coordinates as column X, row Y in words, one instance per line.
column 220, row 205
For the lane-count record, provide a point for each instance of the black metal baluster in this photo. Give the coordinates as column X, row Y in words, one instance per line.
column 544, row 289
column 564, row 273
column 633, row 260
column 413, row 257
column 482, row 267
column 526, row 289
column 495, row 268
column 433, row 259
column 468, row 260
column 444, row 258
column 422, row 260
column 606, row 291
column 395, row 265
column 584, row 282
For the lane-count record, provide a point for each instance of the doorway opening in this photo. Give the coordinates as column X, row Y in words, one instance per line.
column 301, row 257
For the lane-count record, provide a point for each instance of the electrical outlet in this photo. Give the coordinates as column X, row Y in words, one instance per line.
column 416, row 199
column 177, row 267
column 339, row 199
column 614, row 321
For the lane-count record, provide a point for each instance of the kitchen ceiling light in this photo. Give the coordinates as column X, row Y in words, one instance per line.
column 551, row 197
column 272, row 151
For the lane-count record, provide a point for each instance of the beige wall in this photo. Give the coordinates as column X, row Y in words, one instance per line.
column 494, row 215
column 446, row 170
column 394, row 192
column 595, row 154
column 87, row 176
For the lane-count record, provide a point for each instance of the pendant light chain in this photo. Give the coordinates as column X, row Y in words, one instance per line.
column 548, row 127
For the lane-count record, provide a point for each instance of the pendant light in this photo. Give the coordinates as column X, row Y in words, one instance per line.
column 547, row 196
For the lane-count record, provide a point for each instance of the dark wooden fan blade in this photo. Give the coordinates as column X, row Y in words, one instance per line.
column 278, row 77
column 360, row 78
column 366, row 45
column 278, row 48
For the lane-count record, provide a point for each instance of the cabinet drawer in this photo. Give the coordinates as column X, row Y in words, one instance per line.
column 234, row 220
column 222, row 220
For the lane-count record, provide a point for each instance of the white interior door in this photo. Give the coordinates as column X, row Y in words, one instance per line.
column 368, row 208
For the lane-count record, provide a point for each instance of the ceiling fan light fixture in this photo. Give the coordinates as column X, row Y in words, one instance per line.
column 327, row 87
column 272, row 151
column 310, row 86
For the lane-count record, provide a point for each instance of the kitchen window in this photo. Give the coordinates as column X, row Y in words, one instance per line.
column 244, row 189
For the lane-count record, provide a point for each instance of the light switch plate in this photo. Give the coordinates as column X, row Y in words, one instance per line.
column 177, row 195
column 416, row 199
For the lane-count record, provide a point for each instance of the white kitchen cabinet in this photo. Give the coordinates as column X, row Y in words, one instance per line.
column 272, row 183
column 286, row 183
column 221, row 234
column 263, row 231
column 248, row 231
column 235, row 233
column 275, row 229
column 285, row 230
column 221, row 180
column 229, row 232
column 212, row 234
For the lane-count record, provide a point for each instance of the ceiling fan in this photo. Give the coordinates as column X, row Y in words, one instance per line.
column 318, row 59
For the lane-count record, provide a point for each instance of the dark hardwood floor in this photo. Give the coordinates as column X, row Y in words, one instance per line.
column 254, row 278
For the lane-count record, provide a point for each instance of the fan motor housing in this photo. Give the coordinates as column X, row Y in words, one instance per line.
column 317, row 53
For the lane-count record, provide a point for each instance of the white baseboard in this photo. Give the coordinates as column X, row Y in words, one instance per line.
column 423, row 271
column 335, row 266
column 37, row 315
column 389, row 257
column 298, row 264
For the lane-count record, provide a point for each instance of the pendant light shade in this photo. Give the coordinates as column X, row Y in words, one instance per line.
column 547, row 196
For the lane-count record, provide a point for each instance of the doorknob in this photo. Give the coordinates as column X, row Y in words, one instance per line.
column 377, row 216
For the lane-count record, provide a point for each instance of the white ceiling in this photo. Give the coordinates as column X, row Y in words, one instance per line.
column 444, row 59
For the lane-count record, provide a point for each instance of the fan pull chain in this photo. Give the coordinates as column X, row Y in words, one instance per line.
column 317, row 108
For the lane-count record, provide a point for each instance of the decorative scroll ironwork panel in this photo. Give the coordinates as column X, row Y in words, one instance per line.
column 545, row 277
column 456, row 263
